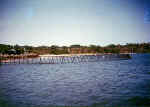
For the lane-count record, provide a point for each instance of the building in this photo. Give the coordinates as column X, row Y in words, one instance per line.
column 12, row 51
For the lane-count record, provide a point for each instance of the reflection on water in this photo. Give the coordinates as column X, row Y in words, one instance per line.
column 105, row 83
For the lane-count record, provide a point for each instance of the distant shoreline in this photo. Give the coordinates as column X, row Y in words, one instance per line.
column 76, row 49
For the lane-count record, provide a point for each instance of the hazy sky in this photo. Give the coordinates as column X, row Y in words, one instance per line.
column 66, row 22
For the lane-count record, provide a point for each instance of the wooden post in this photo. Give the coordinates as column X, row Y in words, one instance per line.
column 57, row 58
column 62, row 59
column 72, row 59
column 5, row 61
column 32, row 60
column 9, row 59
column 13, row 57
column 40, row 60
column 52, row 60
column 19, row 59
column 67, row 59
column 48, row 60
column 0, row 61
column 22, row 59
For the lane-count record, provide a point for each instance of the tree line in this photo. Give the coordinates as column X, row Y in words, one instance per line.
column 73, row 49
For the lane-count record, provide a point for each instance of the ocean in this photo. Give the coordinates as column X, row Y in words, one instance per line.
column 102, row 83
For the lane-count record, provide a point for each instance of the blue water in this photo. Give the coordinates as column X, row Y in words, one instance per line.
column 106, row 83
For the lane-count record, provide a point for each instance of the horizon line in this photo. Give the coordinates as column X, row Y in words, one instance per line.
column 73, row 44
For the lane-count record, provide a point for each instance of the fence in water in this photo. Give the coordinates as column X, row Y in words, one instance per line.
column 63, row 59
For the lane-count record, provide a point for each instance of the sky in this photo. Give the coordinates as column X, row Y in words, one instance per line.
column 67, row 22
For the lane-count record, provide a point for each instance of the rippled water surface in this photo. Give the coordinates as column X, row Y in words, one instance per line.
column 104, row 83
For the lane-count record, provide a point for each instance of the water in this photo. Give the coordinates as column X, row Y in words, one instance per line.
column 105, row 83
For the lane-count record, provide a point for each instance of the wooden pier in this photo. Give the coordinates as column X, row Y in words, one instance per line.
column 63, row 59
